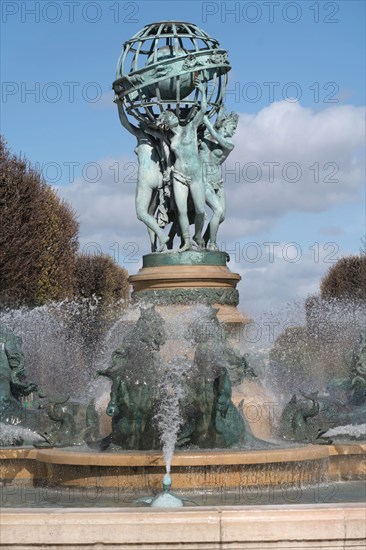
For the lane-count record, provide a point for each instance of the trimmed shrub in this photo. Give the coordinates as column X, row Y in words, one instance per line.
column 38, row 237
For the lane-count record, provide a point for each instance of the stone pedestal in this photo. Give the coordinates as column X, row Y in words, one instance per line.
column 191, row 277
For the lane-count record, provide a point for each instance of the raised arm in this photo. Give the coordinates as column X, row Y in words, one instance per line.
column 225, row 143
column 124, row 120
column 203, row 107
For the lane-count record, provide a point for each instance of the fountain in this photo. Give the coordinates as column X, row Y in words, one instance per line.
column 173, row 419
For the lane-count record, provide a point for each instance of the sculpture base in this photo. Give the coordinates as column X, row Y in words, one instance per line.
column 186, row 278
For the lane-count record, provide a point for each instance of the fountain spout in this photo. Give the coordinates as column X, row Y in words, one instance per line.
column 166, row 499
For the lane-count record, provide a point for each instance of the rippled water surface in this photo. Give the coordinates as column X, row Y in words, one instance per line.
column 41, row 497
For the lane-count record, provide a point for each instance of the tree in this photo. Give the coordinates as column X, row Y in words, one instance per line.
column 60, row 242
column 38, row 237
column 345, row 279
column 101, row 294
column 100, row 276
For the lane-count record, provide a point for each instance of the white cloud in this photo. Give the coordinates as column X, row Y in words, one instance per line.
column 322, row 150
column 266, row 286
column 283, row 133
column 108, row 202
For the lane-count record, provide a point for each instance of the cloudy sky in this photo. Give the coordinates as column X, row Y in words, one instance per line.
column 295, row 181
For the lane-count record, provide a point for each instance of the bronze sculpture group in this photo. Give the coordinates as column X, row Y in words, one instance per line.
column 209, row 417
column 343, row 403
column 179, row 149
column 179, row 172
column 56, row 421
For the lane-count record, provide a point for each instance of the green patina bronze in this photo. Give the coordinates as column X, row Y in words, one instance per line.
column 189, row 257
column 160, row 62
column 182, row 296
column 358, row 382
column 134, row 374
column 306, row 420
column 171, row 79
column 297, row 419
column 60, row 423
column 67, row 423
column 209, row 418
column 13, row 383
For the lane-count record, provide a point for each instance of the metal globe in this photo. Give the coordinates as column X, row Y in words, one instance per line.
column 169, row 88
column 158, row 66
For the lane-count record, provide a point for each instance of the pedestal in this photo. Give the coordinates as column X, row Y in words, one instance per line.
column 191, row 277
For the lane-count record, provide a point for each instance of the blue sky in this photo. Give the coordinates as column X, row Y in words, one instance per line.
column 311, row 52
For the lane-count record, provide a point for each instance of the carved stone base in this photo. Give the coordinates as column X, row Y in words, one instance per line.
column 187, row 278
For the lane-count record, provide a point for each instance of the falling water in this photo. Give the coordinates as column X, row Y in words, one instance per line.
column 62, row 357
column 347, row 432
column 171, row 392
column 12, row 434
column 63, row 344
column 305, row 344
column 175, row 377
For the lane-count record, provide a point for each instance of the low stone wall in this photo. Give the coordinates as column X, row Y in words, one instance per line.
column 240, row 528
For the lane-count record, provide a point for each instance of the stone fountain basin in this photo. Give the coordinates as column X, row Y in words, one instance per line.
column 291, row 466
column 301, row 526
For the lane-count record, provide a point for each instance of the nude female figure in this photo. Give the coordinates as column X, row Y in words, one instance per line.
column 214, row 150
column 149, row 176
column 187, row 176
